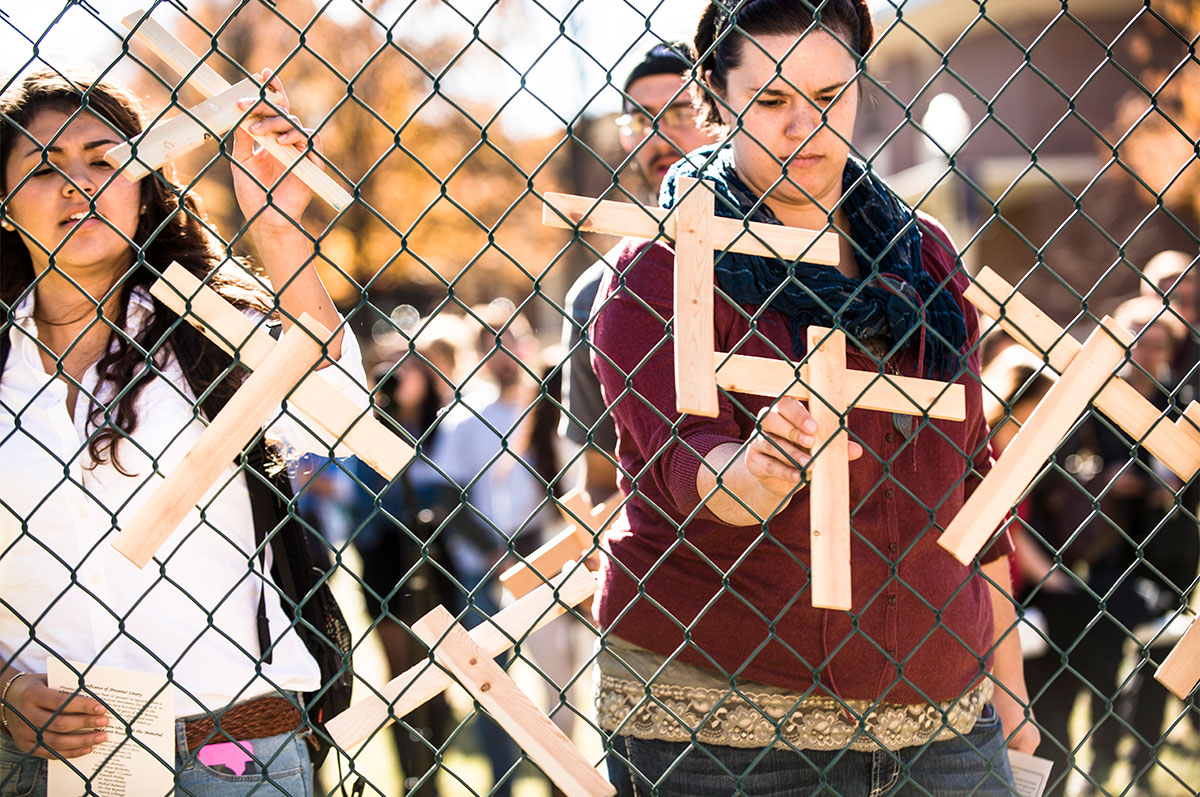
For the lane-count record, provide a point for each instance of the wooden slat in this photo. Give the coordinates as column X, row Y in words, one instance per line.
column 422, row 682
column 733, row 235
column 1036, row 442
column 206, row 80
column 695, row 382
column 1180, row 672
column 575, row 506
column 241, row 418
column 513, row 710
column 1176, row 446
column 829, row 471
column 175, row 53
column 569, row 545
column 179, row 135
column 333, row 414
column 764, row 376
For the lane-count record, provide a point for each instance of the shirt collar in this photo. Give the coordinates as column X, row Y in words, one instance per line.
column 140, row 306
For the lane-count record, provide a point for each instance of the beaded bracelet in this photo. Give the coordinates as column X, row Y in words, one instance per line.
column 4, row 703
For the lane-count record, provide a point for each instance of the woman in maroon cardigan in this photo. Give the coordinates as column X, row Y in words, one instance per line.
column 717, row 671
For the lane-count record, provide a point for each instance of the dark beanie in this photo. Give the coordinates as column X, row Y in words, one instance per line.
column 664, row 58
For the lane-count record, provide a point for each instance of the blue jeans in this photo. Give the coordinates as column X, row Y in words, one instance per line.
column 281, row 767
column 975, row 763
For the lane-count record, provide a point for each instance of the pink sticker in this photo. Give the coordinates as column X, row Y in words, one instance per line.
column 232, row 755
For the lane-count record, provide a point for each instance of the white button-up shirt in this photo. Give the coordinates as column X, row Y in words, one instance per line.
column 64, row 591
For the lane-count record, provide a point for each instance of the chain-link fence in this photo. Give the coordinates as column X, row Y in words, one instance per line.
column 531, row 367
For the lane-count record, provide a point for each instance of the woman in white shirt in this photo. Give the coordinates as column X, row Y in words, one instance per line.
column 94, row 399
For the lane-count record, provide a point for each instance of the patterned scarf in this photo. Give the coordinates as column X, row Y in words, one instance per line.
column 897, row 300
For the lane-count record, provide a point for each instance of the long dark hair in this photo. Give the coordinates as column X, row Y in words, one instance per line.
column 726, row 25
column 170, row 228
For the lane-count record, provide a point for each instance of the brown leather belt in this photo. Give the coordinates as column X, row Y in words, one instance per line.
column 253, row 719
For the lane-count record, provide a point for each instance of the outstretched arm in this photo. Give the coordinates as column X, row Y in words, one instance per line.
column 284, row 248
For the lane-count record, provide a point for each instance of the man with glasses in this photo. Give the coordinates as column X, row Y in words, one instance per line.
column 657, row 128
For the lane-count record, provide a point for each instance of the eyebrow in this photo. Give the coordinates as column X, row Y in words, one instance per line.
column 831, row 88
column 89, row 145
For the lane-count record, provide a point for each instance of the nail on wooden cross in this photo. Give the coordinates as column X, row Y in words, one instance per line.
column 585, row 524
column 1088, row 377
column 337, row 419
column 822, row 379
column 297, row 352
column 174, row 137
column 422, row 682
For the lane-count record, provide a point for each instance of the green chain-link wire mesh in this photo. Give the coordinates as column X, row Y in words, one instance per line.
column 1075, row 162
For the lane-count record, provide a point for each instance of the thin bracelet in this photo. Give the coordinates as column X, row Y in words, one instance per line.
column 4, row 703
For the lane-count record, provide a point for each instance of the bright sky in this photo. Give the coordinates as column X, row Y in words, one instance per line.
column 560, row 49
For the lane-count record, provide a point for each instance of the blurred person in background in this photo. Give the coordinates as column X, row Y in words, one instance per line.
column 1175, row 277
column 404, row 565
column 486, row 448
column 1128, row 550
column 657, row 128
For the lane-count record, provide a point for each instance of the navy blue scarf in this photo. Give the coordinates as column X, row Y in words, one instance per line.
column 895, row 295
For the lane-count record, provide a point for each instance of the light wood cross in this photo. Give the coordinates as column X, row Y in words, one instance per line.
column 174, row 137
column 337, row 419
column 281, row 369
column 242, row 417
column 1088, row 377
column 822, row 379
column 421, row 682
column 696, row 233
column 585, row 524
column 513, row 710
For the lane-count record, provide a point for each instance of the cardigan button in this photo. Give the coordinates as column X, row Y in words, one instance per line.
column 890, row 493
column 893, row 547
column 891, row 600
column 890, row 437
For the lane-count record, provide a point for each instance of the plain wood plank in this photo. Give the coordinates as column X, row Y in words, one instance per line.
column 334, row 416
column 513, row 710
column 1036, row 442
column 1119, row 400
column 733, row 235
column 575, row 506
column 569, row 545
column 175, row 53
column 242, row 417
column 206, row 80
column 179, row 135
column 422, row 682
column 563, row 548
column 695, row 381
column 829, row 471
column 1180, row 671
column 764, row 376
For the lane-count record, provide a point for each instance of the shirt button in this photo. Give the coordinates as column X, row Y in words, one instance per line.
column 891, row 600
column 893, row 547
column 890, row 493
column 890, row 437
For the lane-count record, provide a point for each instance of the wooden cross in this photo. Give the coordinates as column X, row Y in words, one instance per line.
column 210, row 119
column 513, row 710
column 297, row 353
column 338, row 420
column 421, row 683
column 585, row 524
column 831, row 391
column 696, row 233
column 822, row 379
column 1087, row 378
